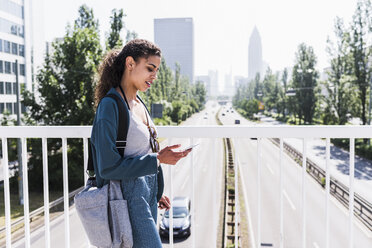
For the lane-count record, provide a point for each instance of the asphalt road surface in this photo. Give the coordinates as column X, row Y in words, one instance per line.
column 292, row 200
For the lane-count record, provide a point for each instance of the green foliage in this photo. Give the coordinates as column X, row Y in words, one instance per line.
column 65, row 89
column 180, row 99
column 304, row 80
column 116, row 20
column 361, row 51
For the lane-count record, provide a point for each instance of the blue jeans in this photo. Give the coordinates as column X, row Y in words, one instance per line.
column 142, row 205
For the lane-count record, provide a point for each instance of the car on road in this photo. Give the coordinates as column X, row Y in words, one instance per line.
column 181, row 218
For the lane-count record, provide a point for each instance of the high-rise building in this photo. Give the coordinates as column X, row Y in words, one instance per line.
column 254, row 54
column 15, row 46
column 175, row 37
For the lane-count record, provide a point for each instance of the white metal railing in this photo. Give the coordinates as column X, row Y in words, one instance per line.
column 191, row 132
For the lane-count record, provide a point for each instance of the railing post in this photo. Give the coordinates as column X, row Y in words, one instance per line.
column 259, row 192
column 304, row 193
column 328, row 182
column 170, row 167
column 65, row 193
column 46, row 192
column 215, row 212
column 236, row 242
column 25, row 193
column 193, row 232
column 86, row 152
column 351, row 193
column 5, row 163
column 281, row 195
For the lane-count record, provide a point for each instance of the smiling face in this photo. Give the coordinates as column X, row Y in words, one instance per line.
column 141, row 74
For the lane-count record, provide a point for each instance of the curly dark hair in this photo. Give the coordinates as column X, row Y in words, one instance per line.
column 112, row 67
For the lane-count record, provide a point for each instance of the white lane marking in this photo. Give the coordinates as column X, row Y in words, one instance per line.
column 247, row 210
column 184, row 182
column 270, row 169
column 316, row 245
column 289, row 200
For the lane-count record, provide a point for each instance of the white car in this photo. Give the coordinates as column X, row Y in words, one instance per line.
column 181, row 218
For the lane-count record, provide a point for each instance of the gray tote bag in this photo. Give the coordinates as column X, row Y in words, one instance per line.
column 104, row 215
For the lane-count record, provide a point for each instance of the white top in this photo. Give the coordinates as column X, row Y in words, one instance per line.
column 138, row 138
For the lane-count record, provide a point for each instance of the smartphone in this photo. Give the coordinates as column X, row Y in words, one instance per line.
column 190, row 147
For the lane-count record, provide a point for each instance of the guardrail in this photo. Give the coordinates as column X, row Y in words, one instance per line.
column 362, row 208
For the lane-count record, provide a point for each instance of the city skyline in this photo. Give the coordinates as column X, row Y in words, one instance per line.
column 221, row 30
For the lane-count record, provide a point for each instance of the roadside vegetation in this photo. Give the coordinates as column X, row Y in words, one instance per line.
column 304, row 96
column 63, row 94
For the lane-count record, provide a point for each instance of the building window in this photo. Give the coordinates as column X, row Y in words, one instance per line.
column 11, row 27
column 15, row 108
column 8, row 88
column 1, row 45
column 14, row 68
column 12, row 8
column 21, row 50
column 1, row 66
column 15, row 48
column 15, row 88
column 6, row 46
column 2, row 88
column 1, row 108
column 22, row 71
column 9, row 106
column 7, row 67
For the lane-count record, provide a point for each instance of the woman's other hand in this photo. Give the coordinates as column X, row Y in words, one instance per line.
column 167, row 156
column 164, row 203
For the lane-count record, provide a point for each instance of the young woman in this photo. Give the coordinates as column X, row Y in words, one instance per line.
column 124, row 73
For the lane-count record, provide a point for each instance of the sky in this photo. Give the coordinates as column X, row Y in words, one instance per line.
column 221, row 28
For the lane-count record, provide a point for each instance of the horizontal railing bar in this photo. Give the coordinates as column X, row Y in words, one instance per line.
column 212, row 131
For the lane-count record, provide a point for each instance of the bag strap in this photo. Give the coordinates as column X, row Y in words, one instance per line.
column 121, row 139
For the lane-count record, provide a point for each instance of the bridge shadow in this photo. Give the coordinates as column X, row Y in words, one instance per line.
column 363, row 167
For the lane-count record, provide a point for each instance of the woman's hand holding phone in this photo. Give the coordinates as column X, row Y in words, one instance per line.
column 168, row 156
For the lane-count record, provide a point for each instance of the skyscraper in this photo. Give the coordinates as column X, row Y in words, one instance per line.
column 254, row 54
column 175, row 37
column 14, row 46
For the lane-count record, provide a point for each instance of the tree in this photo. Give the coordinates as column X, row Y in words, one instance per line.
column 116, row 21
column 270, row 90
column 131, row 35
column 304, row 80
column 199, row 94
column 284, row 81
column 65, row 89
column 361, row 29
column 340, row 83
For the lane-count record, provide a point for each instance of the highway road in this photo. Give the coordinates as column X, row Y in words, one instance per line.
column 205, row 179
column 206, row 182
column 292, row 200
